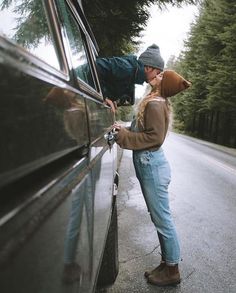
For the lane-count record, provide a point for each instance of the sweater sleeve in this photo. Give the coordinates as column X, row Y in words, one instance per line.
column 154, row 133
column 114, row 68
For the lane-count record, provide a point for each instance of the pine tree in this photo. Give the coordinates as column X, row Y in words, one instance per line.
column 117, row 24
column 209, row 108
column 222, row 70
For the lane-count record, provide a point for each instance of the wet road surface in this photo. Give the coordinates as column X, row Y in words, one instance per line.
column 203, row 204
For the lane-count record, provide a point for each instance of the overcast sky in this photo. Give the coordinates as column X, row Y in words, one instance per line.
column 168, row 29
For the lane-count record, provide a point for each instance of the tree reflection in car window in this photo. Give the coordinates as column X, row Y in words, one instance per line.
column 25, row 23
column 79, row 57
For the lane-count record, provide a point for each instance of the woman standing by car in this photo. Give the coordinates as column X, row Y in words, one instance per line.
column 145, row 137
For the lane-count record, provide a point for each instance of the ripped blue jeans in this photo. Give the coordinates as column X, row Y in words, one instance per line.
column 153, row 172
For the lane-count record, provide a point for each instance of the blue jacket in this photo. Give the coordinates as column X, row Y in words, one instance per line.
column 118, row 76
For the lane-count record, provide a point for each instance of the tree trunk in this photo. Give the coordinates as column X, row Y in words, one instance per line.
column 216, row 128
column 201, row 125
column 206, row 132
column 226, row 129
column 211, row 124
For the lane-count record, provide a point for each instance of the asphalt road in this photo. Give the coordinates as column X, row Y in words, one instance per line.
column 203, row 204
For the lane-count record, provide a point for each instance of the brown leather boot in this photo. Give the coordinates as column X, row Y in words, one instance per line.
column 156, row 270
column 168, row 276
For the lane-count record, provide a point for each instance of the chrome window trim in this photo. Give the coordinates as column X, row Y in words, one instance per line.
column 78, row 18
column 27, row 57
column 21, row 55
column 55, row 30
column 9, row 56
column 87, row 42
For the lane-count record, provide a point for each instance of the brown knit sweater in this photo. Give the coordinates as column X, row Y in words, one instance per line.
column 151, row 137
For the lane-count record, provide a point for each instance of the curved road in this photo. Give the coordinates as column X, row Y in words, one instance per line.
column 203, row 203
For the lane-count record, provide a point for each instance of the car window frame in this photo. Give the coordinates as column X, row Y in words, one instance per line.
column 33, row 65
column 87, row 43
column 27, row 58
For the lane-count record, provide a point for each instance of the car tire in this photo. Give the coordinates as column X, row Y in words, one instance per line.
column 110, row 262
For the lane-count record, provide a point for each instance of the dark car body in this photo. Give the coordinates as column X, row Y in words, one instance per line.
column 57, row 165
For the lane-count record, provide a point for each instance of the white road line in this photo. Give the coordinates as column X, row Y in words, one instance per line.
column 226, row 167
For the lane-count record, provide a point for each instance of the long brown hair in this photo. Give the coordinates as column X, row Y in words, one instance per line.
column 154, row 95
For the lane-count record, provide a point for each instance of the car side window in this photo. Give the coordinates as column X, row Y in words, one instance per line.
column 80, row 60
column 25, row 23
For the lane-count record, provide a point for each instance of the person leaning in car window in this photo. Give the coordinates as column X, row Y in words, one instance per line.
column 118, row 75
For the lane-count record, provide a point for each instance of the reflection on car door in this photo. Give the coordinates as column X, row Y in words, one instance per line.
column 57, row 170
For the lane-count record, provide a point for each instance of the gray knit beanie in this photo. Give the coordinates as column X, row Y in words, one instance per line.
column 152, row 57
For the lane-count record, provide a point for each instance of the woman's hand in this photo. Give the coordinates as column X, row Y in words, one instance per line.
column 116, row 127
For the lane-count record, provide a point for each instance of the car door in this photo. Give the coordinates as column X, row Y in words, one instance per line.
column 57, row 170
column 102, row 156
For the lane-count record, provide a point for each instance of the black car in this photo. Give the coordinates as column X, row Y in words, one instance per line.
column 58, row 218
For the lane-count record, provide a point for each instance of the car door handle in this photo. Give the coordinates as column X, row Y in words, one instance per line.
column 110, row 137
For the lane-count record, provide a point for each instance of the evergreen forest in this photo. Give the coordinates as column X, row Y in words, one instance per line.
column 208, row 109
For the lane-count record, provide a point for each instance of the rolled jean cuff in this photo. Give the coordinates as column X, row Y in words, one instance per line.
column 172, row 263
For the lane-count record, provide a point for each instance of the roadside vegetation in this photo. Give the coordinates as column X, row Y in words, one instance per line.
column 208, row 109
